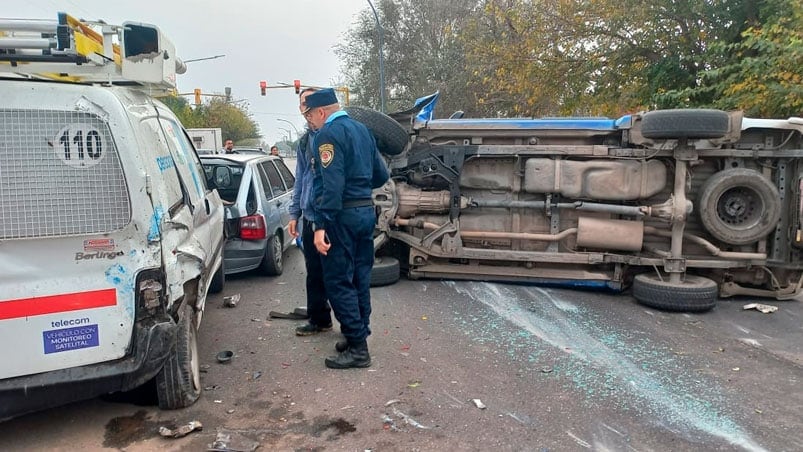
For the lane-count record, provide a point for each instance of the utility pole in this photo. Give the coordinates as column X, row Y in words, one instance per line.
column 381, row 59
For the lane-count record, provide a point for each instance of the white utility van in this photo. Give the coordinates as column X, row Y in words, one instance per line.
column 109, row 237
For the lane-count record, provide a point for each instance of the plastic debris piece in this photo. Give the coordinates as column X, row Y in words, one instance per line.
column 255, row 374
column 414, row 384
column 225, row 356
column 763, row 308
column 478, row 403
column 736, row 369
column 546, row 370
column 409, row 420
column 218, row 401
column 231, row 301
column 229, row 411
column 391, row 402
column 183, row 430
column 227, row 441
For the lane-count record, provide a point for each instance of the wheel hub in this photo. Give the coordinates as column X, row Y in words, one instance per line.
column 739, row 207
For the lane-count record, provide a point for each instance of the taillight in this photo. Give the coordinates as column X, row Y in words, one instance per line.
column 252, row 227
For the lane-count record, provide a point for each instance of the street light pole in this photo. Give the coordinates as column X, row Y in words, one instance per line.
column 381, row 59
column 294, row 126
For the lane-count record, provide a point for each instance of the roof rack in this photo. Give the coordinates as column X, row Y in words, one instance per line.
column 74, row 50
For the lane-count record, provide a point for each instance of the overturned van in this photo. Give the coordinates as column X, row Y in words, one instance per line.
column 110, row 239
column 684, row 205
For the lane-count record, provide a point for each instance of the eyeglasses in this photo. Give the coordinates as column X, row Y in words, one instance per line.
column 308, row 112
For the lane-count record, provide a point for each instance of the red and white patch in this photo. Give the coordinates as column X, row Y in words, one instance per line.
column 327, row 154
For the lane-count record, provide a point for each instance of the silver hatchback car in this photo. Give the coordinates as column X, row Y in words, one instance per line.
column 257, row 191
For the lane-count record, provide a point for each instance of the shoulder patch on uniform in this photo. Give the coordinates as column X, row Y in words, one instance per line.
column 327, row 153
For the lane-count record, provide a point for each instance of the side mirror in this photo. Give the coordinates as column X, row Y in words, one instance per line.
column 222, row 177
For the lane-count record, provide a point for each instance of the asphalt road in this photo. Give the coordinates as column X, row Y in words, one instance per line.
column 554, row 369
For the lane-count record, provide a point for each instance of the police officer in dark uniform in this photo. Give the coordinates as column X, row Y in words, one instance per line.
column 302, row 214
column 346, row 167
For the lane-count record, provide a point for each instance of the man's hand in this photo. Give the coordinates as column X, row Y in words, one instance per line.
column 321, row 242
column 291, row 225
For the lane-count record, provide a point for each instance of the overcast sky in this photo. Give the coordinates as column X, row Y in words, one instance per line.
column 272, row 40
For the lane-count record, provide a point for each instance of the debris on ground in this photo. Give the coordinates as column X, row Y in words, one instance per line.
column 255, row 374
column 183, row 430
column 225, row 356
column 231, row 301
column 478, row 403
column 299, row 313
column 409, row 420
column 764, row 308
column 227, row 441
column 391, row 402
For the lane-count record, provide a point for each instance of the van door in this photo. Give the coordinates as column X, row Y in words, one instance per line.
column 205, row 204
column 69, row 250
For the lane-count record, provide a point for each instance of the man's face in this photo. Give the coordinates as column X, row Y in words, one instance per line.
column 229, row 145
column 302, row 106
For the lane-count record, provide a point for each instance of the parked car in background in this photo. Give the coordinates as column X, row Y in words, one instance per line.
column 258, row 151
column 257, row 191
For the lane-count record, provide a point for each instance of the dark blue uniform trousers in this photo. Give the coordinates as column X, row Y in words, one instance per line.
column 317, row 306
column 347, row 270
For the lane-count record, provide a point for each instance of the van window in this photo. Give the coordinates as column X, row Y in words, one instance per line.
column 152, row 136
column 60, row 174
column 189, row 167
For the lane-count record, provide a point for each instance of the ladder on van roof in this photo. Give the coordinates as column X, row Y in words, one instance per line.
column 82, row 51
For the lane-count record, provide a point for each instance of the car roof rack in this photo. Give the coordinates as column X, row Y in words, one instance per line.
column 76, row 50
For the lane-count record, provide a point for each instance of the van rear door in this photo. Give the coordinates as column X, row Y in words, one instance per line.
column 69, row 251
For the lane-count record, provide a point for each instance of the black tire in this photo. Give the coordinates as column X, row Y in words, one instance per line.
column 178, row 384
column 219, row 278
column 273, row 261
column 385, row 271
column 739, row 206
column 391, row 138
column 685, row 123
column 693, row 294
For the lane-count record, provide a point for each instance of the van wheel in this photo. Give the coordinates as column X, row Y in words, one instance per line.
column 685, row 123
column 693, row 294
column 219, row 278
column 178, row 384
column 391, row 137
column 385, row 271
column 273, row 261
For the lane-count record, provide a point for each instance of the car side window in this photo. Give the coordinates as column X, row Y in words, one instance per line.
column 275, row 180
column 289, row 179
column 265, row 182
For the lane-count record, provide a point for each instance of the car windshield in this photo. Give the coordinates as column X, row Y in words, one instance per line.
column 249, row 151
column 216, row 177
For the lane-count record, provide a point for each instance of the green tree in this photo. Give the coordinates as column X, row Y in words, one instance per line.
column 423, row 54
column 234, row 120
column 760, row 71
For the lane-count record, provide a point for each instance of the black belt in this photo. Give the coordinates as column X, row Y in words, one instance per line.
column 358, row 203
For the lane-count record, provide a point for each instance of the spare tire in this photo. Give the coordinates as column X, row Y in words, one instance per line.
column 739, row 206
column 391, row 137
column 385, row 271
column 685, row 123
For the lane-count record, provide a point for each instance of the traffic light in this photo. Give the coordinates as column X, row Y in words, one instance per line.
column 297, row 86
column 263, row 86
column 197, row 96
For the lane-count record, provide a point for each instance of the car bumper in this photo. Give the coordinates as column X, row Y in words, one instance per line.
column 152, row 346
column 243, row 255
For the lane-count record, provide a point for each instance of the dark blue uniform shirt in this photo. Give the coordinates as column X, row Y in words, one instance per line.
column 344, row 151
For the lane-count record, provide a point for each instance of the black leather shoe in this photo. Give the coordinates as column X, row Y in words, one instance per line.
column 341, row 346
column 310, row 329
column 355, row 356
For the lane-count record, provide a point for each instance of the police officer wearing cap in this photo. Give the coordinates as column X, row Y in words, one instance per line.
column 346, row 167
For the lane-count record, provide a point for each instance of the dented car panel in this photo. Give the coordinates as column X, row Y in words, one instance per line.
column 683, row 204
